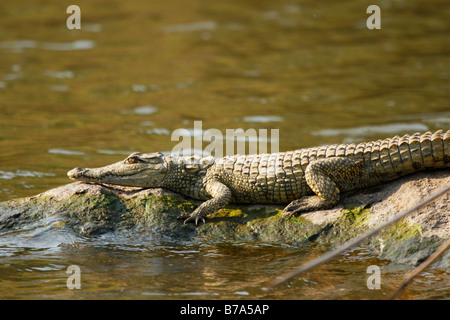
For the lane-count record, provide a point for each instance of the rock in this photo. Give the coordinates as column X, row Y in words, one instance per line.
column 91, row 210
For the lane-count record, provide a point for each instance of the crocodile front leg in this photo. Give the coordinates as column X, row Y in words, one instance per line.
column 221, row 196
column 323, row 177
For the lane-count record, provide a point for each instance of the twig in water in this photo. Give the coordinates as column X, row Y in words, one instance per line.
column 420, row 268
column 330, row 255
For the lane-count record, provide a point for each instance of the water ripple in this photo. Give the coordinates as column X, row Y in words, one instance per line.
column 19, row 45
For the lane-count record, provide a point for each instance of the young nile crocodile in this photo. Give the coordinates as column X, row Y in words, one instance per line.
column 307, row 179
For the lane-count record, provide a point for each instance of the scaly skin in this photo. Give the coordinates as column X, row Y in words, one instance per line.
column 307, row 179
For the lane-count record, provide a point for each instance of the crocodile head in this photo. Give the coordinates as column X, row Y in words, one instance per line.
column 146, row 170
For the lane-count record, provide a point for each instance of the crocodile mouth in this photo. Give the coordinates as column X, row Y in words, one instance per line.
column 92, row 175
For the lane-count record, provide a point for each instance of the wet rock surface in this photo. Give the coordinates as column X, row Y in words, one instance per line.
column 91, row 210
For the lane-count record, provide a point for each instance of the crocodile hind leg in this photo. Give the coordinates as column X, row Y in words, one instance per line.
column 323, row 177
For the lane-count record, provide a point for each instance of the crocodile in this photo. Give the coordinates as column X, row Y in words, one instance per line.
column 306, row 179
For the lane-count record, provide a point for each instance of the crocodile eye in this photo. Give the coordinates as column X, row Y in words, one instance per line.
column 131, row 160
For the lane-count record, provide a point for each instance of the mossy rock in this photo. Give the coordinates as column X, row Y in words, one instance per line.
column 92, row 210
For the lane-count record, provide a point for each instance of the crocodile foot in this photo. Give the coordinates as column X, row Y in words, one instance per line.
column 305, row 204
column 192, row 217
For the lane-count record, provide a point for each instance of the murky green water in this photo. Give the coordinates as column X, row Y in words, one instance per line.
column 137, row 70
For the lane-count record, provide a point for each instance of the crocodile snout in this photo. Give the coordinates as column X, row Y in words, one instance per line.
column 75, row 172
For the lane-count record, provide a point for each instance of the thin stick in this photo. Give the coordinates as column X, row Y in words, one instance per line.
column 330, row 255
column 444, row 247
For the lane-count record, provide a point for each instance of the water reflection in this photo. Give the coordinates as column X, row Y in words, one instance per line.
column 66, row 152
column 388, row 129
column 92, row 27
column 7, row 175
column 115, row 152
column 59, row 88
column 158, row 131
column 66, row 74
column 263, row 119
column 68, row 46
column 145, row 110
column 20, row 45
column 190, row 27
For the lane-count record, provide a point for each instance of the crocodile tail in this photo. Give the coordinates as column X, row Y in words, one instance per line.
column 435, row 149
column 416, row 152
column 394, row 157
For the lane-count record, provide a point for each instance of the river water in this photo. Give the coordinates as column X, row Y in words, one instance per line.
column 136, row 71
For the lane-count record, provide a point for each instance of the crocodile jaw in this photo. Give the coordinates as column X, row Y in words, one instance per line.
column 146, row 170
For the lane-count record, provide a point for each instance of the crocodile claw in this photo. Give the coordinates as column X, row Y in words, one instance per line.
column 294, row 208
column 293, row 213
column 194, row 218
column 191, row 217
column 308, row 203
column 183, row 216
